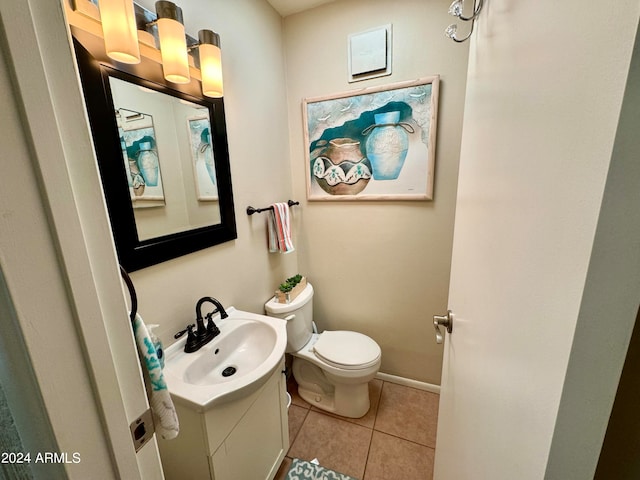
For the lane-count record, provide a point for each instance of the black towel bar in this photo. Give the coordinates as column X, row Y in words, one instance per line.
column 251, row 210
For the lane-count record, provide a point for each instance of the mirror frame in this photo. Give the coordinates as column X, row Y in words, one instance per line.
column 95, row 68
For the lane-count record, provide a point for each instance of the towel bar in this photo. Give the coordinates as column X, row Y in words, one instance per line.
column 251, row 210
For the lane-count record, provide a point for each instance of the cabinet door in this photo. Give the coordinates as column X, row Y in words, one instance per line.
column 258, row 444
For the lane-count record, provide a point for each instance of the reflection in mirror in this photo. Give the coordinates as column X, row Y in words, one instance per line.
column 169, row 160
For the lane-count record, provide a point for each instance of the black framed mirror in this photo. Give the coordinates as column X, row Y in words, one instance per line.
column 163, row 157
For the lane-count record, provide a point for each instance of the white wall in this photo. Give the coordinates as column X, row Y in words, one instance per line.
column 381, row 267
column 609, row 306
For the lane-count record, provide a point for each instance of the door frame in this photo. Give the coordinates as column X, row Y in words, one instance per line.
column 68, row 299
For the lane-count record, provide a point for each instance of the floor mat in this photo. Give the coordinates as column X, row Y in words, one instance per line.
column 302, row 470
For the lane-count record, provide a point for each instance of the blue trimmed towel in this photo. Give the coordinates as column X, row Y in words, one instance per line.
column 279, row 226
column 164, row 413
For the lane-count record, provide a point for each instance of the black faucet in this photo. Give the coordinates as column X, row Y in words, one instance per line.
column 203, row 334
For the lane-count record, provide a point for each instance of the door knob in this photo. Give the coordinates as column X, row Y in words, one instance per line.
column 444, row 321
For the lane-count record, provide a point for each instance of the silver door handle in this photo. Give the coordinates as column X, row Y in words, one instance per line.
column 445, row 321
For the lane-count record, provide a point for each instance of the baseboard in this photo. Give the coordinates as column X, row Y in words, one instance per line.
column 407, row 382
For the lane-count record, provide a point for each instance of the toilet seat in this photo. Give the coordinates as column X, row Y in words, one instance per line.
column 347, row 350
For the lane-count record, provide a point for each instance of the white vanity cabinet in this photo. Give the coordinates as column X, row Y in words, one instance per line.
column 243, row 439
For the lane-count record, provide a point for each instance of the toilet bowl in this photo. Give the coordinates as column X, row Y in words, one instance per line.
column 332, row 368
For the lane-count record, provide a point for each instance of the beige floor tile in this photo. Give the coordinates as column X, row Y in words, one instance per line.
column 337, row 444
column 408, row 413
column 284, row 469
column 375, row 389
column 296, row 419
column 392, row 458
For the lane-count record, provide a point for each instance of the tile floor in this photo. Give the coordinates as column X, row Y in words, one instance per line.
column 395, row 440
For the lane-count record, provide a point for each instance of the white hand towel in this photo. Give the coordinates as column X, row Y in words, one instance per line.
column 280, row 229
column 164, row 412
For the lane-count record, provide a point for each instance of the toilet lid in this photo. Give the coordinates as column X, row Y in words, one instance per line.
column 349, row 350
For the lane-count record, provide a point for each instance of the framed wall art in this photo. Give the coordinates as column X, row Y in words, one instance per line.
column 376, row 143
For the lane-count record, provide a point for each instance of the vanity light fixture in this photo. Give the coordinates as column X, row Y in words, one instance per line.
column 126, row 25
column 457, row 10
column 173, row 42
column 210, row 63
column 119, row 30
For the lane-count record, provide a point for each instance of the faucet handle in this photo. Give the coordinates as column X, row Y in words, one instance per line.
column 182, row 332
column 194, row 342
column 211, row 326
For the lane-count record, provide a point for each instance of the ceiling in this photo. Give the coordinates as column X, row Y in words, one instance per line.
column 287, row 7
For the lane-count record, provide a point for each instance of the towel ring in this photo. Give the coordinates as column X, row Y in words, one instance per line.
column 132, row 292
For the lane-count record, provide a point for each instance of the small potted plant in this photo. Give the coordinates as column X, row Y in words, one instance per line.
column 291, row 288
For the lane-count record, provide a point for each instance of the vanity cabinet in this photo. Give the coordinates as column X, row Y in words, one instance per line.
column 242, row 439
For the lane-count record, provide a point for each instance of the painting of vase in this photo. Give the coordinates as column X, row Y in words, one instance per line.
column 376, row 143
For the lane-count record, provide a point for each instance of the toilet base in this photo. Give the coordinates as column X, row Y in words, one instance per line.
column 329, row 403
column 325, row 391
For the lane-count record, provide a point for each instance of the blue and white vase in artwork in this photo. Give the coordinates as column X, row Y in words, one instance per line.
column 148, row 164
column 387, row 145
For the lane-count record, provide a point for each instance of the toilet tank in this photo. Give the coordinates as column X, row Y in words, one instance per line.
column 299, row 316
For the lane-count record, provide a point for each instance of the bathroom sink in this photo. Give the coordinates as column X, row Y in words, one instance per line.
column 233, row 365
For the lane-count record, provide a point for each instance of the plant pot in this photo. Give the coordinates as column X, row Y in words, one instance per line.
column 283, row 297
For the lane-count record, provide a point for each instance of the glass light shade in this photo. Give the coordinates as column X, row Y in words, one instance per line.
column 211, row 70
column 119, row 30
column 173, row 49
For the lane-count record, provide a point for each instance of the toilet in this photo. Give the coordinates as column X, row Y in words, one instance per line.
column 332, row 368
